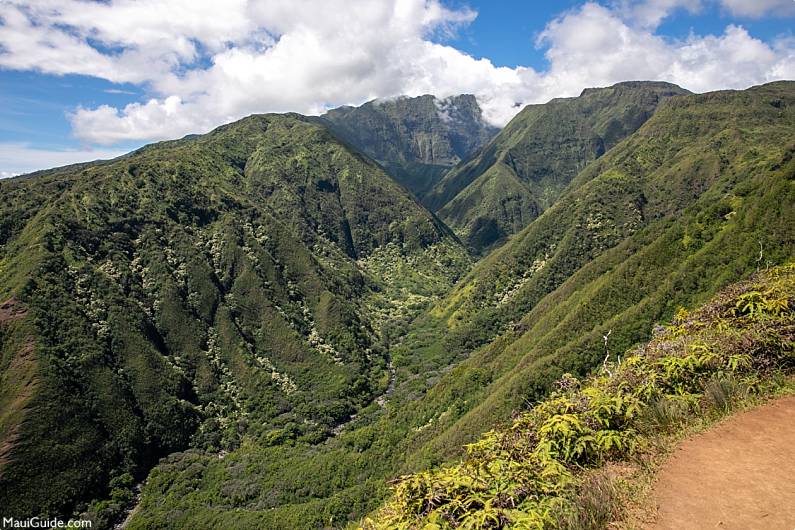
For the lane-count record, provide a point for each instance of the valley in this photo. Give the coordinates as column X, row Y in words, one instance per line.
column 268, row 324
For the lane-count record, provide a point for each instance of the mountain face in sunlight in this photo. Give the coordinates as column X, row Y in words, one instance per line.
column 416, row 139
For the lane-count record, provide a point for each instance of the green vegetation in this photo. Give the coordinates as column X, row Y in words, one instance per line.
column 195, row 294
column 527, row 166
column 264, row 328
column 416, row 139
column 532, row 474
column 471, row 360
column 664, row 219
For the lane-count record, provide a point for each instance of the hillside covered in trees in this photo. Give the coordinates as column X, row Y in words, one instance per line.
column 264, row 325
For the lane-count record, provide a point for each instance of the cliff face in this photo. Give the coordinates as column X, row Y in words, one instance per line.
column 415, row 139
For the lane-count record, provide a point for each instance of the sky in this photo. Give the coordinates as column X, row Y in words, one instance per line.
column 83, row 80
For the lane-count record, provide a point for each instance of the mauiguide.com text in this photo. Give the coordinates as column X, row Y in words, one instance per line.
column 38, row 522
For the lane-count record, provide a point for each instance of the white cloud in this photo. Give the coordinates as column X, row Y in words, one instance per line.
column 594, row 46
column 207, row 63
column 649, row 13
column 118, row 91
column 760, row 8
column 20, row 158
column 153, row 120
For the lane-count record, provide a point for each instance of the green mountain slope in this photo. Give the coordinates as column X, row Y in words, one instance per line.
column 192, row 294
column 140, row 295
column 539, row 472
column 416, row 139
column 525, row 168
column 663, row 220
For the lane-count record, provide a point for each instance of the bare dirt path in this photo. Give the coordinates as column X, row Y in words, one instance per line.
column 738, row 475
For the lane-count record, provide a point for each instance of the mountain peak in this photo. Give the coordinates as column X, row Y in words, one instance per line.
column 416, row 139
column 635, row 85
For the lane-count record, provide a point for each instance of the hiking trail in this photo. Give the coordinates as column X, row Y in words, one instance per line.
column 738, row 475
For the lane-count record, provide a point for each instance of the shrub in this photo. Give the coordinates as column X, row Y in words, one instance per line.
column 721, row 393
column 665, row 413
column 597, row 503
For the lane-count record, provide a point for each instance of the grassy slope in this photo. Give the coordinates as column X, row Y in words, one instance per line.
column 526, row 167
column 664, row 219
column 191, row 293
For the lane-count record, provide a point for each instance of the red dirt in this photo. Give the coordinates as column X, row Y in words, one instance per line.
column 22, row 371
column 739, row 475
column 11, row 310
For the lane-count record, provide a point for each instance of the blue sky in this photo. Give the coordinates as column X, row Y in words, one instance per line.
column 505, row 31
column 82, row 80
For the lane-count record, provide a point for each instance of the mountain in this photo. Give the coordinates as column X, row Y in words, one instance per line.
column 193, row 294
column 523, row 170
column 701, row 195
column 416, row 139
column 266, row 328
column 663, row 220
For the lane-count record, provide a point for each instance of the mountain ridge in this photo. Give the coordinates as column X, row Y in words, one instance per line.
column 523, row 170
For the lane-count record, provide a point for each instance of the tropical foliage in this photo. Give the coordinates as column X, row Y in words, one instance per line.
column 527, row 475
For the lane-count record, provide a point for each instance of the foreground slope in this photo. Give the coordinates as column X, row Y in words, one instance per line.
column 191, row 293
column 416, row 139
column 524, row 169
column 535, row 474
column 662, row 220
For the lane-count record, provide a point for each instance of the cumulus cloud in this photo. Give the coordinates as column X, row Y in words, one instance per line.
column 20, row 158
column 593, row 45
column 760, row 8
column 207, row 63
column 649, row 13
column 153, row 120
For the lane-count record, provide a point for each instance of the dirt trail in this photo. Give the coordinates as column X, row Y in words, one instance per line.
column 739, row 475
